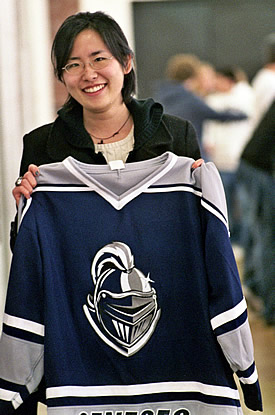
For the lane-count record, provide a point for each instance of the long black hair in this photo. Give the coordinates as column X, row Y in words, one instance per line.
column 111, row 34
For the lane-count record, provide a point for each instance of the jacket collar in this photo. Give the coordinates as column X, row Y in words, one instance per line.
column 68, row 130
column 147, row 115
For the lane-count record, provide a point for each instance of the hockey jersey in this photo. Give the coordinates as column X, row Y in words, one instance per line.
column 124, row 293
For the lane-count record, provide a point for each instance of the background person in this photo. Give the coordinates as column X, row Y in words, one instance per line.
column 178, row 94
column 263, row 83
column 206, row 80
column 256, row 195
column 224, row 142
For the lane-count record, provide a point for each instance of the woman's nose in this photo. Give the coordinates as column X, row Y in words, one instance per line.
column 89, row 71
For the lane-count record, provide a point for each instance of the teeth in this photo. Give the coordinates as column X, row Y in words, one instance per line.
column 94, row 89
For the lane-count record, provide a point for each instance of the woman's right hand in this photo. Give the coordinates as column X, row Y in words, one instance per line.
column 27, row 184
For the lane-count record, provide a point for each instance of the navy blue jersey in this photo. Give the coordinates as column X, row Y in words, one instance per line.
column 124, row 293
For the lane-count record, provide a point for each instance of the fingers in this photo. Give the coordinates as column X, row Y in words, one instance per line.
column 27, row 184
column 16, row 192
column 197, row 163
column 29, row 178
column 34, row 170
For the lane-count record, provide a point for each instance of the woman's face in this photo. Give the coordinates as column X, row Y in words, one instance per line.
column 96, row 90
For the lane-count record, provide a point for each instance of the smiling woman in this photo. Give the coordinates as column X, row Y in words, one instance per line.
column 101, row 121
column 100, row 106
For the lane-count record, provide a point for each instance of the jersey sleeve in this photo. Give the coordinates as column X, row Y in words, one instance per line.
column 227, row 305
column 22, row 340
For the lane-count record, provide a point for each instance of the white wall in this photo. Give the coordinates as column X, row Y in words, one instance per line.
column 26, row 100
column 37, row 104
column 9, row 127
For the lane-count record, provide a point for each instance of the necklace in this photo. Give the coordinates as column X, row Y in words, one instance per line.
column 113, row 135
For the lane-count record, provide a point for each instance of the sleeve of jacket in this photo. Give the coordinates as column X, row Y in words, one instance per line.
column 192, row 144
column 227, row 305
column 21, row 343
column 185, row 140
column 34, row 152
column 204, row 111
column 29, row 156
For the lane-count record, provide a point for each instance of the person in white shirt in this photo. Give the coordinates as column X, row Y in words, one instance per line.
column 224, row 142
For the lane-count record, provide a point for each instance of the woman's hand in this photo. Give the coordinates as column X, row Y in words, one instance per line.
column 197, row 163
column 26, row 184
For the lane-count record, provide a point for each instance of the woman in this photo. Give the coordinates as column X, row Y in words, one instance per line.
column 100, row 120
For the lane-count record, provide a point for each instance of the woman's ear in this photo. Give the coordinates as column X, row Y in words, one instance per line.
column 128, row 65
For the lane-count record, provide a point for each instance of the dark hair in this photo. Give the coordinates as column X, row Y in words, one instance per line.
column 228, row 72
column 111, row 34
column 182, row 66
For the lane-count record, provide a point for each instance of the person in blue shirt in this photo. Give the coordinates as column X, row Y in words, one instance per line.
column 177, row 94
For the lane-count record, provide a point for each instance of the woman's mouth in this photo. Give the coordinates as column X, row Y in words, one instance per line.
column 92, row 89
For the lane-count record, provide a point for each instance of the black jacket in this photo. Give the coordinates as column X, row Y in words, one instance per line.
column 260, row 149
column 154, row 133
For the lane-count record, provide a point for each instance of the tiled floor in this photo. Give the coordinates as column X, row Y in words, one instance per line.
column 264, row 345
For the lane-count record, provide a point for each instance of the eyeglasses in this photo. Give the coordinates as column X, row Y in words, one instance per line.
column 78, row 67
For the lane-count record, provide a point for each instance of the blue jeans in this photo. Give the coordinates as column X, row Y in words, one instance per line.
column 257, row 202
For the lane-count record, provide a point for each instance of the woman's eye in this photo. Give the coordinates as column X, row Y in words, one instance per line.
column 100, row 58
column 73, row 65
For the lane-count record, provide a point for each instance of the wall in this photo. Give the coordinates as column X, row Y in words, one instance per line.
column 26, row 100
column 221, row 32
column 58, row 11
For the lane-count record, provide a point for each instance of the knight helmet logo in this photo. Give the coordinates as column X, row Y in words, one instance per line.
column 122, row 308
